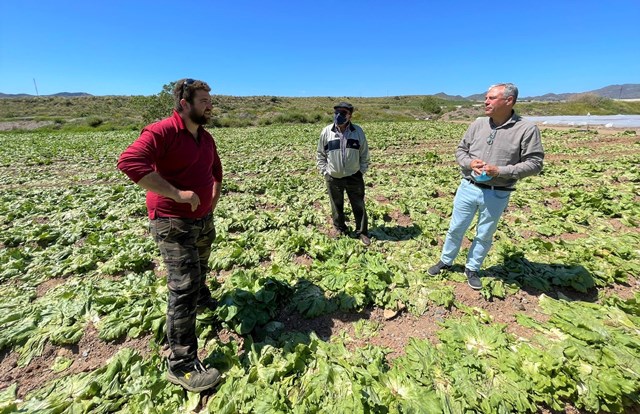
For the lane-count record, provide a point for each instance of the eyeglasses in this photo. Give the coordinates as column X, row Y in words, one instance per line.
column 341, row 112
column 186, row 83
column 491, row 136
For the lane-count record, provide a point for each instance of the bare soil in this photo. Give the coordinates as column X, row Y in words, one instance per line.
column 89, row 354
column 23, row 125
column 393, row 332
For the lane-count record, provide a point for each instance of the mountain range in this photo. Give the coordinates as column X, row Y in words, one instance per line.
column 625, row 91
column 26, row 95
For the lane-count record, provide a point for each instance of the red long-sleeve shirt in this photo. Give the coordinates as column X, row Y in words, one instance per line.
column 169, row 149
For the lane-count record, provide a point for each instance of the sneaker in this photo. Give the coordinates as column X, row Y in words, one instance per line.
column 196, row 380
column 365, row 239
column 437, row 268
column 473, row 279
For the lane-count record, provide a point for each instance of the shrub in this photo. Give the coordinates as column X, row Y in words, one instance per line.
column 297, row 117
column 431, row 105
column 589, row 99
column 94, row 121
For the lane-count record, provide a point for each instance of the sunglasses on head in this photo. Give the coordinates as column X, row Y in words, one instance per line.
column 186, row 83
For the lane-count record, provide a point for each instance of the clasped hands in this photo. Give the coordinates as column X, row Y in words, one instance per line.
column 479, row 166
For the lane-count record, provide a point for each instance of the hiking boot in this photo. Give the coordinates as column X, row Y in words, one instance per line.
column 365, row 239
column 437, row 268
column 197, row 379
column 473, row 279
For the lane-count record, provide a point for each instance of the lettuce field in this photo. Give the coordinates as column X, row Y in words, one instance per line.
column 556, row 327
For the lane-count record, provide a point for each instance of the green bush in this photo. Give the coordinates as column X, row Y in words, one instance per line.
column 431, row 105
column 94, row 121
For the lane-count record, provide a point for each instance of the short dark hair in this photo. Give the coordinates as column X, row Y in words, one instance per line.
column 186, row 89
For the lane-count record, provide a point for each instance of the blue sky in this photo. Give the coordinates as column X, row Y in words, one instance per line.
column 316, row 48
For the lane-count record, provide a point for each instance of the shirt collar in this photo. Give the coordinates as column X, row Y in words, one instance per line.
column 514, row 118
column 334, row 128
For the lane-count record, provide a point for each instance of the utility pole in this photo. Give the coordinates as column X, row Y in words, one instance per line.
column 36, row 85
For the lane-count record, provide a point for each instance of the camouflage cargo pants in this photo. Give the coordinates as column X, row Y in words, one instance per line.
column 185, row 245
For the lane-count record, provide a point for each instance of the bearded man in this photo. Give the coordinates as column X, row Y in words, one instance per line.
column 177, row 162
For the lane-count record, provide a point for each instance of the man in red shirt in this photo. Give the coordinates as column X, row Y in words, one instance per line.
column 177, row 162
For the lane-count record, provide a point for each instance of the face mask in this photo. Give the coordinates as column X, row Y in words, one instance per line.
column 340, row 118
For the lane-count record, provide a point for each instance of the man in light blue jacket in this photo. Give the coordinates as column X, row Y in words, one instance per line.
column 343, row 159
column 495, row 152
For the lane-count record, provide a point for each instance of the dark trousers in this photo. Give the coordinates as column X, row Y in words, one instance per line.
column 185, row 245
column 354, row 187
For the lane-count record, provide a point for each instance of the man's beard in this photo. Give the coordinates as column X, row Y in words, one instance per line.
column 199, row 119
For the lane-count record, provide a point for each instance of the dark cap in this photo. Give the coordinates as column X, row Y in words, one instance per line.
column 344, row 105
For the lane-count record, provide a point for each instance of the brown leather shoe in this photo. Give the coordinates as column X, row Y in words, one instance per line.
column 365, row 239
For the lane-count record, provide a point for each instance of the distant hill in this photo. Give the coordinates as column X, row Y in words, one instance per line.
column 443, row 95
column 69, row 94
column 626, row 91
column 26, row 95
column 476, row 97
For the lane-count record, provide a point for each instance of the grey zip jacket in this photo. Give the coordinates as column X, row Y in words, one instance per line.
column 342, row 155
column 516, row 149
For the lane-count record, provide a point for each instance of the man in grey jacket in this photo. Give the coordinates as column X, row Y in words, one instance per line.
column 343, row 158
column 494, row 154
